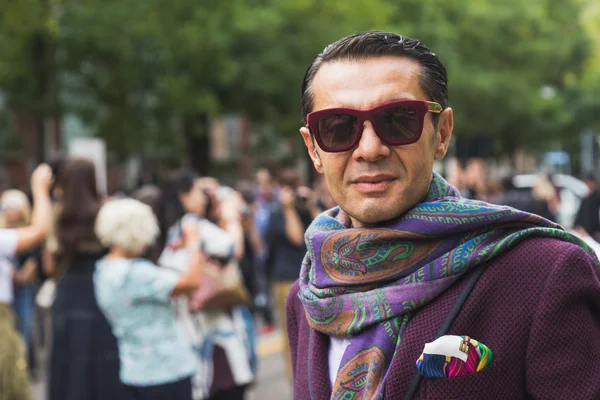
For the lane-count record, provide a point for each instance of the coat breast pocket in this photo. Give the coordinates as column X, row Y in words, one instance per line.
column 480, row 385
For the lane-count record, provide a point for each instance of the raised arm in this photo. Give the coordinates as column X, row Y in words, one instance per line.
column 231, row 221
column 33, row 234
column 190, row 279
column 294, row 229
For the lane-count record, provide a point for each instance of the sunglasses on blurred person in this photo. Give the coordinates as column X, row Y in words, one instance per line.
column 396, row 123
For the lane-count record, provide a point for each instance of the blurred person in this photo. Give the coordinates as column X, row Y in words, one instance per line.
column 151, row 195
column 494, row 191
column 546, row 197
column 56, row 164
column 324, row 199
column 16, row 213
column 84, row 358
column 265, row 186
column 540, row 199
column 285, row 236
column 309, row 201
column 408, row 290
column 587, row 221
column 211, row 187
column 319, row 198
column 253, row 246
column 223, row 337
column 460, row 182
column 521, row 199
column 157, row 361
column 266, row 201
column 474, row 179
column 590, row 181
column 14, row 381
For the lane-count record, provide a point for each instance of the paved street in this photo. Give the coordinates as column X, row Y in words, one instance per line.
column 272, row 383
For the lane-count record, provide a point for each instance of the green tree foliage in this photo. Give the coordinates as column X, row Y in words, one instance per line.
column 512, row 65
column 144, row 73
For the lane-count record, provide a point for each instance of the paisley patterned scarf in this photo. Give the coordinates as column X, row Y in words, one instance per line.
column 363, row 283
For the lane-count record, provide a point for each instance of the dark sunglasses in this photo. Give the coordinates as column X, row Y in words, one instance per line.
column 396, row 123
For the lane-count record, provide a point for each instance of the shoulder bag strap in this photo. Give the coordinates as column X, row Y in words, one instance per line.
column 414, row 384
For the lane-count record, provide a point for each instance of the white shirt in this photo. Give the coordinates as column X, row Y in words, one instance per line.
column 337, row 347
column 8, row 247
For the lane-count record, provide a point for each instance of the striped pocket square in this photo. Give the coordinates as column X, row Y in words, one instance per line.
column 451, row 356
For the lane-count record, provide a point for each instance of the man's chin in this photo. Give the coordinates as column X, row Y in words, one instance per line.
column 374, row 216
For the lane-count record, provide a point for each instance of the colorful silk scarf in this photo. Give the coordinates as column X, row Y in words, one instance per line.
column 363, row 283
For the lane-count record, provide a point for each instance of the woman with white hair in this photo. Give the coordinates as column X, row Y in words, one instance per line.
column 157, row 361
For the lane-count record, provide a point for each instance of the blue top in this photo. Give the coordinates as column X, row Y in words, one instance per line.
column 134, row 295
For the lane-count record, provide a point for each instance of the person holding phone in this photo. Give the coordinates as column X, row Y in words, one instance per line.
column 285, row 234
column 13, row 364
column 222, row 335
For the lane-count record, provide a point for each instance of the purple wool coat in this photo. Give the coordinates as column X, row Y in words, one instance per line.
column 537, row 307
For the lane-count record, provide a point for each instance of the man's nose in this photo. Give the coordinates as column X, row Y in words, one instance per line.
column 370, row 147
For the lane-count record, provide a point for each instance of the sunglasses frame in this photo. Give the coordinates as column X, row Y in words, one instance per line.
column 422, row 107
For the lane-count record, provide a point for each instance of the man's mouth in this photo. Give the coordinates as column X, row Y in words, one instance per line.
column 373, row 183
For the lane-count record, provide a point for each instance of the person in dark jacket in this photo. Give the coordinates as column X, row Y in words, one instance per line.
column 408, row 290
column 285, row 234
column 524, row 199
column 587, row 220
column 14, row 382
column 84, row 357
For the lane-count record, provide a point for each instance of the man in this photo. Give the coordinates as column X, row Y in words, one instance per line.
column 403, row 260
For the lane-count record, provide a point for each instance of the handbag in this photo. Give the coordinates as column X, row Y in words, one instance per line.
column 222, row 286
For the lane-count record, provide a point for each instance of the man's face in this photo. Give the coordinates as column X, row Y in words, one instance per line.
column 375, row 182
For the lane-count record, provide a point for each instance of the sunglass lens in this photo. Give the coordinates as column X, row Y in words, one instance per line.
column 338, row 131
column 398, row 125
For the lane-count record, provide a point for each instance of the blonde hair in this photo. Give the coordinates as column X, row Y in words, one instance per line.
column 20, row 199
column 128, row 224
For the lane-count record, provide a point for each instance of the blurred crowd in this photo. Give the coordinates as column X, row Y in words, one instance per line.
column 157, row 293
column 160, row 293
column 541, row 199
column 542, row 195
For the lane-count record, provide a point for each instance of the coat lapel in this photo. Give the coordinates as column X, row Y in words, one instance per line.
column 318, row 366
column 421, row 329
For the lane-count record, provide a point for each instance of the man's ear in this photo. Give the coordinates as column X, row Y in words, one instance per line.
column 313, row 152
column 444, row 133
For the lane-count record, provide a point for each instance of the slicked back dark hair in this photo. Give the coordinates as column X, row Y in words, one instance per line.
column 367, row 45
